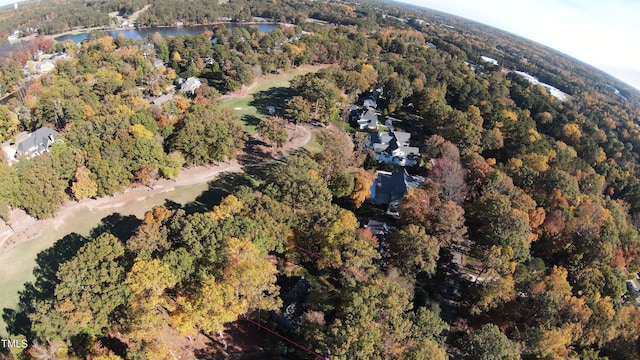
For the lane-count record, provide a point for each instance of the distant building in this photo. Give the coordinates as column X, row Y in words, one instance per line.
column 45, row 66
column 388, row 188
column 190, row 85
column 128, row 24
column 157, row 63
column 392, row 147
column 37, row 143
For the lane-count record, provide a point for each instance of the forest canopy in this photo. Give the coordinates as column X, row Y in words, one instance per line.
column 519, row 242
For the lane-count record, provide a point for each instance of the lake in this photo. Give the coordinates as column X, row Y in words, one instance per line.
column 142, row 33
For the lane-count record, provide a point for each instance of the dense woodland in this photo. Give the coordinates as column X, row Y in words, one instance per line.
column 541, row 196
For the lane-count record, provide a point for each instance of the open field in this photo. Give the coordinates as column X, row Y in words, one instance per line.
column 18, row 261
column 271, row 90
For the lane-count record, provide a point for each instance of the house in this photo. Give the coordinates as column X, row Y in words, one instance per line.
column 157, row 63
column 293, row 291
column 45, row 66
column 392, row 147
column 128, row 24
column 370, row 99
column 380, row 230
column 365, row 118
column 14, row 36
column 190, row 85
column 37, row 143
column 388, row 188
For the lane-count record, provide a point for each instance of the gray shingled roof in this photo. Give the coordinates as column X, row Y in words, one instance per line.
column 37, row 142
column 390, row 187
column 387, row 141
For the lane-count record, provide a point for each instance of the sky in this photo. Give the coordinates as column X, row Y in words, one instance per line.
column 6, row 2
column 601, row 33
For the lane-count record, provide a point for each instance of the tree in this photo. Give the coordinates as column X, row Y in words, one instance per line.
column 172, row 166
column 42, row 190
column 428, row 350
column 396, row 89
column 273, row 130
column 9, row 190
column 299, row 109
column 508, row 227
column 297, row 183
column 321, row 93
column 84, row 186
column 147, row 283
column 488, row 343
column 229, row 207
column 419, row 206
column 249, row 284
column 8, row 123
column 333, row 235
column 337, row 154
column 361, row 188
column 464, row 130
column 151, row 236
column 449, row 227
column 494, row 293
column 414, row 251
column 50, row 351
column 451, row 176
column 91, row 285
column 208, row 133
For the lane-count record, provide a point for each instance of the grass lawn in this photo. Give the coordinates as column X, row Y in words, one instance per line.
column 344, row 125
column 17, row 262
column 270, row 92
column 313, row 146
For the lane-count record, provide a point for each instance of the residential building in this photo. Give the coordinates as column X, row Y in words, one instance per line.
column 388, row 188
column 37, row 143
column 392, row 147
column 366, row 118
column 190, row 85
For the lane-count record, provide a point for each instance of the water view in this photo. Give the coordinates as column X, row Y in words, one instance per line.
column 142, row 33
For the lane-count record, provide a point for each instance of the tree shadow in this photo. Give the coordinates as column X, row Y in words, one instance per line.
column 47, row 264
column 250, row 120
column 218, row 189
column 171, row 205
column 122, row 227
column 275, row 97
column 254, row 152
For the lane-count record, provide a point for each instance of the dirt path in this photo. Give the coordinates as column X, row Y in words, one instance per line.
column 256, row 152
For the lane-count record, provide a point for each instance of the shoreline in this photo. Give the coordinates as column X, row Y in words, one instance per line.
column 79, row 31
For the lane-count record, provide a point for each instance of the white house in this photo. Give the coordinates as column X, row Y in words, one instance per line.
column 392, row 147
column 190, row 85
